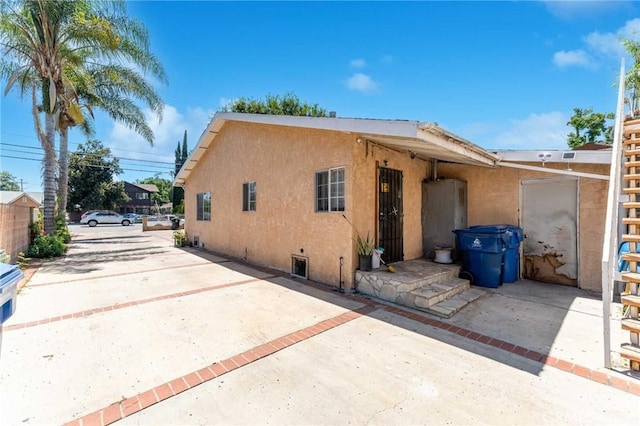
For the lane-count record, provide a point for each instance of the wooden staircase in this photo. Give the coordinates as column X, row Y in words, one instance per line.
column 631, row 297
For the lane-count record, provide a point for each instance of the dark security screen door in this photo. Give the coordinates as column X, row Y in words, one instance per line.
column 390, row 212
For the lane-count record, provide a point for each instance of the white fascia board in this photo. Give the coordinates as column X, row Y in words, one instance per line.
column 602, row 156
column 392, row 128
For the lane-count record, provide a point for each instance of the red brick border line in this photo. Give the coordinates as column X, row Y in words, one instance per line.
column 120, row 274
column 128, row 304
column 624, row 384
column 126, row 407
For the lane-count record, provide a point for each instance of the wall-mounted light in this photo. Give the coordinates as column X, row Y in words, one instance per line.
column 412, row 154
column 359, row 140
column 385, row 163
column 544, row 157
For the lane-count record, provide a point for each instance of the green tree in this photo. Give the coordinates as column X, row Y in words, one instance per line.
column 181, row 155
column 92, row 170
column 289, row 104
column 8, row 182
column 589, row 127
column 164, row 189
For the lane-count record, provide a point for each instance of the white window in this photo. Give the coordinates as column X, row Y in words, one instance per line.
column 249, row 197
column 330, row 190
column 203, row 207
column 142, row 195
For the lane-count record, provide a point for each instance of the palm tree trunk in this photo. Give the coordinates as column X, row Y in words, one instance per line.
column 49, row 175
column 63, row 170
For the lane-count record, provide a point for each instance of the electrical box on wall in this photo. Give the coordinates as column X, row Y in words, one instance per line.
column 444, row 208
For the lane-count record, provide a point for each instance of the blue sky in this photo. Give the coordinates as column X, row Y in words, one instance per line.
column 505, row 75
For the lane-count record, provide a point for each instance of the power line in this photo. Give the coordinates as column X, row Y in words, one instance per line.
column 94, row 165
column 89, row 154
column 76, row 144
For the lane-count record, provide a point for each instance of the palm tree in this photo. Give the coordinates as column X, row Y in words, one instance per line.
column 67, row 50
column 107, row 84
column 30, row 35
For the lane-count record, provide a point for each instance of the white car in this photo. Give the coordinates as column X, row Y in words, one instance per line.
column 107, row 217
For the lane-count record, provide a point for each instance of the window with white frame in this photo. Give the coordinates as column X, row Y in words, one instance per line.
column 142, row 195
column 330, row 190
column 203, row 206
column 249, row 197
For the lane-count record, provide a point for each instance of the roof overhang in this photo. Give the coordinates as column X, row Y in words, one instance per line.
column 423, row 140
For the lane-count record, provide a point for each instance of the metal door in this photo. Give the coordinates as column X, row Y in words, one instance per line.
column 549, row 221
column 390, row 214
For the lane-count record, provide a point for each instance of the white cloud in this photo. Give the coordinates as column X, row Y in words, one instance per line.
column 538, row 131
column 608, row 44
column 358, row 63
column 568, row 9
column 599, row 45
column 362, row 83
column 125, row 142
column 567, row 58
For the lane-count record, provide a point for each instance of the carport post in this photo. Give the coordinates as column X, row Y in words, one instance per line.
column 610, row 242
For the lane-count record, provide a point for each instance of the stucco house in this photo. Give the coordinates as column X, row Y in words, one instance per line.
column 17, row 212
column 280, row 191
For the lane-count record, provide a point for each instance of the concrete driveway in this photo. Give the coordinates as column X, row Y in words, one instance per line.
column 129, row 329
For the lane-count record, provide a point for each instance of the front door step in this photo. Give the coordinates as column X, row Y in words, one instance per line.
column 449, row 307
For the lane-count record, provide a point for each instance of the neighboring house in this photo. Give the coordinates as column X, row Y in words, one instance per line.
column 141, row 198
column 17, row 212
column 274, row 189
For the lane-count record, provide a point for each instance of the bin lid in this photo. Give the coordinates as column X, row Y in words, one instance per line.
column 514, row 232
column 9, row 274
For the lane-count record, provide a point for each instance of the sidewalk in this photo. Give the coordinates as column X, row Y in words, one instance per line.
column 128, row 327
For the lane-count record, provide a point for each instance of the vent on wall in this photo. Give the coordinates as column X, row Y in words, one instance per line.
column 196, row 241
column 300, row 267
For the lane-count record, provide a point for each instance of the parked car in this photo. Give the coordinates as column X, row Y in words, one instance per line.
column 104, row 217
column 163, row 220
column 135, row 218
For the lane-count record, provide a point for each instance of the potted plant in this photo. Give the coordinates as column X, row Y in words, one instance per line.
column 179, row 238
column 365, row 253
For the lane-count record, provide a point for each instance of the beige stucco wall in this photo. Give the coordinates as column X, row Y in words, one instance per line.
column 494, row 197
column 283, row 162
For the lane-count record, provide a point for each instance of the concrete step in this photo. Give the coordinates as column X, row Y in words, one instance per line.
column 449, row 307
column 430, row 294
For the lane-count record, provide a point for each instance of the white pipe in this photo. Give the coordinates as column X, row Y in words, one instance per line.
column 555, row 171
column 610, row 240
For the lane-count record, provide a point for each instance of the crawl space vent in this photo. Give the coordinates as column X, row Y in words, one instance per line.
column 300, row 267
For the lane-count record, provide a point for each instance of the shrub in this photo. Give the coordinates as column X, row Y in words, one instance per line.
column 62, row 231
column 45, row 246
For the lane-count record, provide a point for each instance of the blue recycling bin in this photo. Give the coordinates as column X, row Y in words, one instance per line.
column 513, row 236
column 482, row 254
column 10, row 276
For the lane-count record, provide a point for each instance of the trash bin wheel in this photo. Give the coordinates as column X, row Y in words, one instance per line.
column 466, row 275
